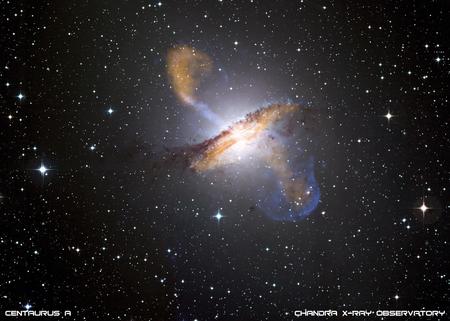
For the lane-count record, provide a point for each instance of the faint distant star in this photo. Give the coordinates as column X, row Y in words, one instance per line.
column 218, row 216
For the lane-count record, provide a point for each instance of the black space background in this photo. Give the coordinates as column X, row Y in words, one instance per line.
column 73, row 61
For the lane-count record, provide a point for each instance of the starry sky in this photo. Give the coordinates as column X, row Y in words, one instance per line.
column 96, row 219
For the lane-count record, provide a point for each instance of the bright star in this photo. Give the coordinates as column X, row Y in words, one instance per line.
column 388, row 115
column 43, row 169
column 438, row 59
column 20, row 96
column 28, row 306
column 424, row 208
column 218, row 216
column 110, row 111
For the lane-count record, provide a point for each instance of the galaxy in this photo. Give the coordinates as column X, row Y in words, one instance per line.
column 256, row 134
column 297, row 187
column 224, row 160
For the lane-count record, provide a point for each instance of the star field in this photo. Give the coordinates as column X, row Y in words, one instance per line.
column 95, row 220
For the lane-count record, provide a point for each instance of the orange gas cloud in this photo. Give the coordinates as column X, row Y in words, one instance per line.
column 186, row 67
column 295, row 188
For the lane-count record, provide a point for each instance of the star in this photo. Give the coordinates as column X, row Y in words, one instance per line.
column 110, row 111
column 43, row 169
column 28, row 306
column 438, row 59
column 388, row 115
column 20, row 96
column 396, row 297
column 424, row 208
column 218, row 216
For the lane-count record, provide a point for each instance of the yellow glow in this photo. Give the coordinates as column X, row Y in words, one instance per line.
column 242, row 132
column 186, row 67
